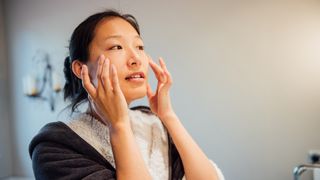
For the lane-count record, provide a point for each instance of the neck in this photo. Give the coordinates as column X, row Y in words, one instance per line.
column 93, row 113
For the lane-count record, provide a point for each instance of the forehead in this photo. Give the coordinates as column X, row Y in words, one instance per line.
column 114, row 26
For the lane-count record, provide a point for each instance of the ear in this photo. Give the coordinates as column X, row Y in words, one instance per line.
column 76, row 68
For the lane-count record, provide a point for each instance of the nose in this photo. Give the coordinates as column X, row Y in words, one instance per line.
column 134, row 59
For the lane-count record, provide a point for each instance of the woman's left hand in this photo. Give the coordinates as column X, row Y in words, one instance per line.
column 159, row 101
column 195, row 162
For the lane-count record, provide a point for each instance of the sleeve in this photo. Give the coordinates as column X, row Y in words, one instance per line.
column 54, row 161
column 219, row 173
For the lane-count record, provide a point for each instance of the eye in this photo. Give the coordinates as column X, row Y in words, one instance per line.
column 116, row 47
column 141, row 48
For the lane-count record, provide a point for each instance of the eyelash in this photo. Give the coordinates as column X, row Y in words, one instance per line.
column 119, row 47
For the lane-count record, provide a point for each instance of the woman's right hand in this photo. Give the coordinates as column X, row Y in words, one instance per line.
column 107, row 98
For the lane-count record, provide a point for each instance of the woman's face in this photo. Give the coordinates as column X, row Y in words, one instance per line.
column 122, row 45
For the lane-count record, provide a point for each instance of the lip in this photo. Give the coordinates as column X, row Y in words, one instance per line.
column 141, row 74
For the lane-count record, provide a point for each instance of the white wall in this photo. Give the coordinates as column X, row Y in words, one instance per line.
column 246, row 74
column 5, row 139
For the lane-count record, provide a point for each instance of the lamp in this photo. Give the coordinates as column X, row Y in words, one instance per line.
column 34, row 86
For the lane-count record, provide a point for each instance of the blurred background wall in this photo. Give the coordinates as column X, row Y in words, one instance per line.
column 246, row 75
column 5, row 134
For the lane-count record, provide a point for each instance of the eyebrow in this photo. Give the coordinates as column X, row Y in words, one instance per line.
column 118, row 36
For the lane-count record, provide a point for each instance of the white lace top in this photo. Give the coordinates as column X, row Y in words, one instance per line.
column 149, row 133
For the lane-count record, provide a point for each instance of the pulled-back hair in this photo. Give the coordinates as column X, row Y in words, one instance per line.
column 79, row 50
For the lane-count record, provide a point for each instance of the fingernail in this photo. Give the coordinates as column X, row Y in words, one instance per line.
column 100, row 61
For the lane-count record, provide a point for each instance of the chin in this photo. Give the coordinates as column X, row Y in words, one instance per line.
column 135, row 93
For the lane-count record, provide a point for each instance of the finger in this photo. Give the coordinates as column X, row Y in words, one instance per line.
column 157, row 70
column 115, row 79
column 162, row 63
column 161, row 79
column 106, row 75
column 163, row 66
column 166, row 72
column 86, row 83
column 99, row 72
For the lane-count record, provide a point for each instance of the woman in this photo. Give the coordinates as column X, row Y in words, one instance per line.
column 108, row 68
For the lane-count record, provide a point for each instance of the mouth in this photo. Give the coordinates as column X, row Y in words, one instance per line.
column 135, row 76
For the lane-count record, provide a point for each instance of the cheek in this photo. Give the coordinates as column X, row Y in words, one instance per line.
column 115, row 56
column 119, row 63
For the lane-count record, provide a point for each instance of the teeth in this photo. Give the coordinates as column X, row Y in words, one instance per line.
column 135, row 76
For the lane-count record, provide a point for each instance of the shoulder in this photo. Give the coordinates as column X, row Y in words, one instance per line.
column 55, row 132
column 59, row 153
column 58, row 138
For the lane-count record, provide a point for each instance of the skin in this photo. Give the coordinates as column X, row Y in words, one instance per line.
column 116, row 52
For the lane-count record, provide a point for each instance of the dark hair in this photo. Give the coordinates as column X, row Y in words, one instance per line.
column 79, row 50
